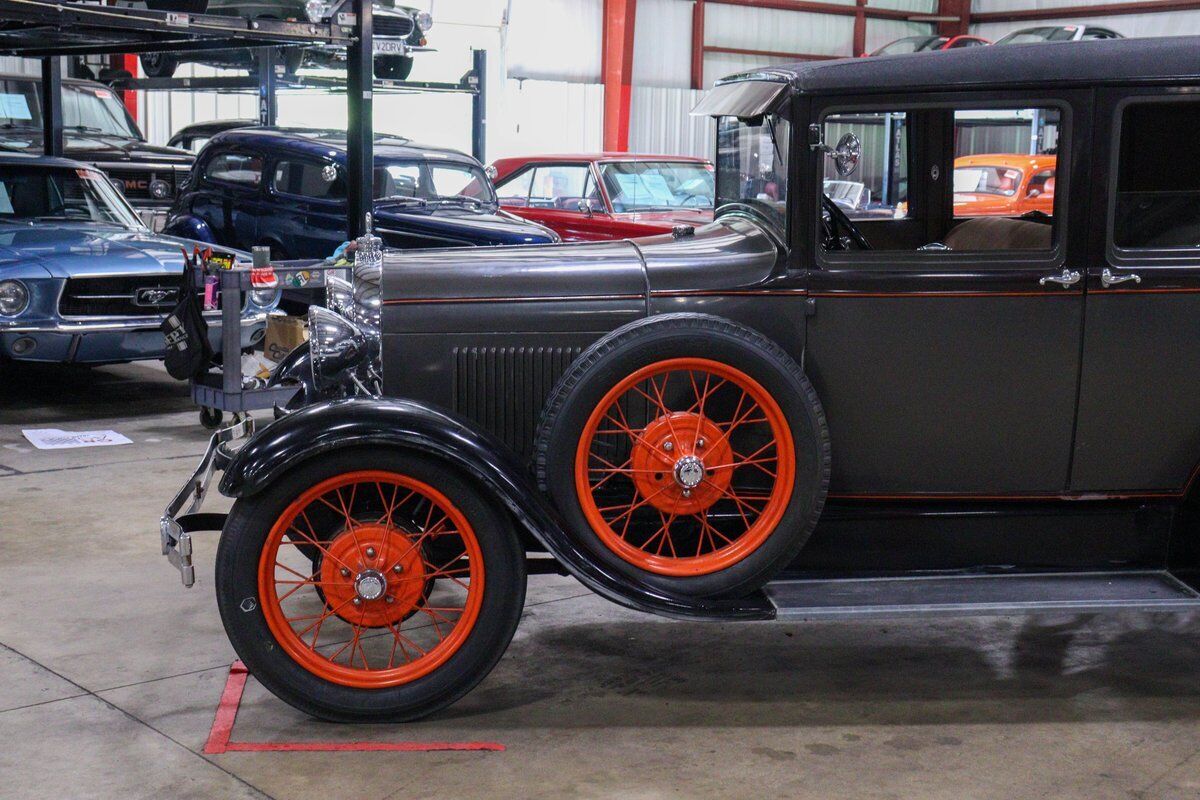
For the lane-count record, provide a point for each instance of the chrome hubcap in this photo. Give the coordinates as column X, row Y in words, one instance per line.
column 370, row 585
column 689, row 472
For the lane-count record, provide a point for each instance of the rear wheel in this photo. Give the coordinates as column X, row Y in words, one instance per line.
column 369, row 585
column 159, row 65
column 688, row 453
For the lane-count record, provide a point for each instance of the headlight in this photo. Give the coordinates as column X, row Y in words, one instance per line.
column 160, row 189
column 119, row 185
column 14, row 298
column 316, row 10
column 424, row 21
column 264, row 297
column 337, row 346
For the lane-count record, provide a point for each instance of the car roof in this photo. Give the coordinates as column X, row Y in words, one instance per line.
column 19, row 76
column 320, row 141
column 9, row 159
column 1159, row 60
column 1017, row 160
column 216, row 125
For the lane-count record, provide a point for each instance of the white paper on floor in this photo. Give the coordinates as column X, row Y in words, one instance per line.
column 54, row 439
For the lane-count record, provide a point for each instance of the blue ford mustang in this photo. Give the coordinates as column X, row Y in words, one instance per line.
column 286, row 188
column 81, row 278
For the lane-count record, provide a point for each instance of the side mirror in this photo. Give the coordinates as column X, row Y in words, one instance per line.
column 1033, row 193
column 588, row 209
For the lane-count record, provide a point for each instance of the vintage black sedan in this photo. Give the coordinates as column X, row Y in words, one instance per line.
column 787, row 413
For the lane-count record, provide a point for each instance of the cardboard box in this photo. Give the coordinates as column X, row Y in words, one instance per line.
column 284, row 334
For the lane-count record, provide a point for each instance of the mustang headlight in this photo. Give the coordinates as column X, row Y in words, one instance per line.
column 14, row 298
column 424, row 21
column 316, row 10
column 337, row 345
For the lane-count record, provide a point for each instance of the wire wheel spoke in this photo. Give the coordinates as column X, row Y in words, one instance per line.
column 381, row 579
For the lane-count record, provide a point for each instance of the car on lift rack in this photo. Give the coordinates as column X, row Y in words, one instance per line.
column 1058, row 33
column 286, row 188
column 927, row 44
column 99, row 130
column 82, row 280
column 398, row 32
column 784, row 414
column 593, row 197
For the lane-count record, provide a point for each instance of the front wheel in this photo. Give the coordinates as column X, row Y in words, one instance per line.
column 369, row 585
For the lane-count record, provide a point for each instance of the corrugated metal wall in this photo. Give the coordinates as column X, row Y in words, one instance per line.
column 660, row 123
column 1173, row 23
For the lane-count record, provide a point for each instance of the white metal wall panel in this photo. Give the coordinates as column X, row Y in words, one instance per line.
column 555, row 40
column 22, row 66
column 776, row 30
column 660, row 123
column 662, row 46
column 919, row 6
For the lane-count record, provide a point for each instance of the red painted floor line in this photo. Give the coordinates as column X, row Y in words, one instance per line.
column 231, row 699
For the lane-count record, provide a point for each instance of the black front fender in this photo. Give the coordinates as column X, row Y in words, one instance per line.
column 406, row 424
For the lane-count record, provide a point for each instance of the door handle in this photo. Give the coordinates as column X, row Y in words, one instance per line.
column 1107, row 278
column 1069, row 277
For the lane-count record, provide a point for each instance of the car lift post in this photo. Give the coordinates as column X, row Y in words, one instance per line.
column 268, row 106
column 52, row 119
column 360, row 155
column 479, row 105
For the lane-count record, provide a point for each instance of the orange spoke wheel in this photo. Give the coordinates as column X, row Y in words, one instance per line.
column 685, row 467
column 371, row 579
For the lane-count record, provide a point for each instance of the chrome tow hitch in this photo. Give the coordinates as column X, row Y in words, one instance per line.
column 180, row 516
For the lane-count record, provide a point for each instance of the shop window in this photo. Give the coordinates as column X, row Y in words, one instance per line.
column 314, row 179
column 239, row 168
column 1158, row 183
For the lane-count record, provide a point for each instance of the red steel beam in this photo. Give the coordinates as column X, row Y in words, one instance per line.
column 859, row 47
column 953, row 8
column 1071, row 12
column 617, row 65
column 698, row 44
column 741, row 51
column 129, row 63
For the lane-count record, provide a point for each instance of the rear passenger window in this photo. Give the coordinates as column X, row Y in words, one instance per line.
column 1158, row 183
column 314, row 179
column 240, row 168
column 561, row 187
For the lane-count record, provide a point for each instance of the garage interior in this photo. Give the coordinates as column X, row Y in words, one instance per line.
column 117, row 683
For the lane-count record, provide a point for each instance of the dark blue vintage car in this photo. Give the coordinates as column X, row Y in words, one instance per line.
column 81, row 278
column 286, row 188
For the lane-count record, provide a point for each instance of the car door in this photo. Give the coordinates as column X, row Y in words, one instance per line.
column 232, row 200
column 1139, row 408
column 555, row 194
column 308, row 199
column 947, row 357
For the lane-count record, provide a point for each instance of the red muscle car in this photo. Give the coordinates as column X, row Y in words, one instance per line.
column 592, row 197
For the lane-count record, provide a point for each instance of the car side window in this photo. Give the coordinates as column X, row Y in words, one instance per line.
column 243, row 169
column 515, row 191
column 1002, row 185
column 314, row 179
column 559, row 187
column 1157, row 203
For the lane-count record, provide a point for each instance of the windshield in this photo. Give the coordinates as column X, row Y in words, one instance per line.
column 658, row 185
column 86, row 109
column 911, row 44
column 752, row 164
column 987, row 180
column 1033, row 35
column 32, row 192
column 431, row 181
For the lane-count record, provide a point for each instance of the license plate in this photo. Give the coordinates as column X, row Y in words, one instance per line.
column 395, row 46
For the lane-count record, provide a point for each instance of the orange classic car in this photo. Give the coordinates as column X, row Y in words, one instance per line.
column 1003, row 185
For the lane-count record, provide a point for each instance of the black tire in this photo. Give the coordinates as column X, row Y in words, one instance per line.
column 210, row 418
column 159, row 65
column 650, row 341
column 185, row 6
column 242, row 541
column 396, row 68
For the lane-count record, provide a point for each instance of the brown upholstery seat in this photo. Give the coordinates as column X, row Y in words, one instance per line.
column 999, row 233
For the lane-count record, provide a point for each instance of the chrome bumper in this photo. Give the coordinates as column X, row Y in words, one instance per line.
column 175, row 526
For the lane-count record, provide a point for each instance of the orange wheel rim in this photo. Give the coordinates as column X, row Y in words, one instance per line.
column 685, row 467
column 371, row 579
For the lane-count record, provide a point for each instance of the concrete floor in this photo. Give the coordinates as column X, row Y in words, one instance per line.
column 110, row 672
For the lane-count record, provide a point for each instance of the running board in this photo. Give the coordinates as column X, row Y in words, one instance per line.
column 967, row 595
